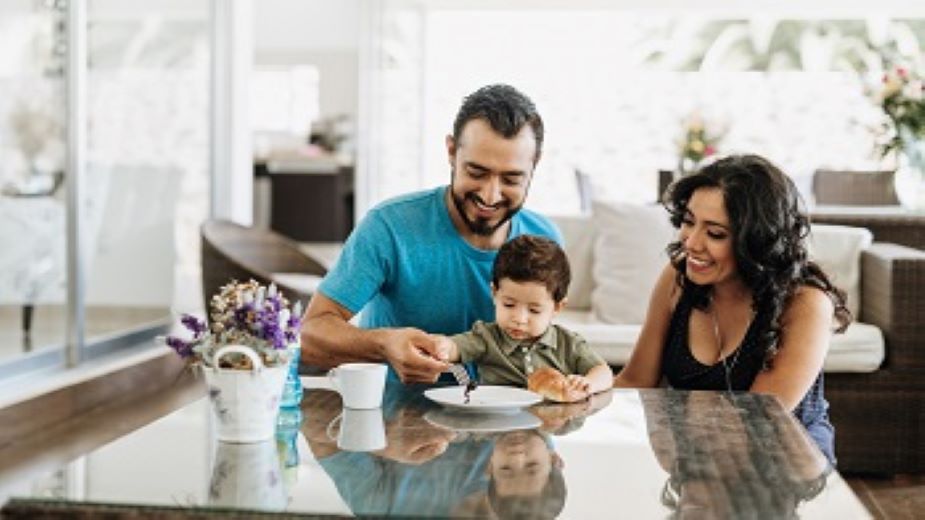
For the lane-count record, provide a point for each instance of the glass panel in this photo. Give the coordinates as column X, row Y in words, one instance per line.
column 33, row 271
column 148, row 154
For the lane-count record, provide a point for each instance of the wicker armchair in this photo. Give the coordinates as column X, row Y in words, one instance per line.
column 854, row 188
column 879, row 417
column 234, row 252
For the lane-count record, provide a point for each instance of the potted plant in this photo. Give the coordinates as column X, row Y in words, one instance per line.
column 901, row 96
column 697, row 143
column 245, row 353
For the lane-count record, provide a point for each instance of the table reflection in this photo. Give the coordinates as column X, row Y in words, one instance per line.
column 727, row 456
column 624, row 453
column 248, row 476
column 438, row 462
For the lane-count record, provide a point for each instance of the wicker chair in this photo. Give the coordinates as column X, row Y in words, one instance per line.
column 234, row 252
column 879, row 417
column 854, row 188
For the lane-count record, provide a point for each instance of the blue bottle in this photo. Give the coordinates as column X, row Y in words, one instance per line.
column 287, row 434
column 292, row 390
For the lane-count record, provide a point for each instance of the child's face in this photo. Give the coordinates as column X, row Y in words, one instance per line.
column 524, row 309
column 520, row 464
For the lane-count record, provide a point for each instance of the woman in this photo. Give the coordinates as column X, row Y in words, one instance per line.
column 739, row 306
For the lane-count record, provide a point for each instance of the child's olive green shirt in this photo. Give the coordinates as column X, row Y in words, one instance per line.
column 503, row 360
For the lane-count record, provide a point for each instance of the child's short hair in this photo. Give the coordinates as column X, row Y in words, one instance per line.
column 531, row 258
column 547, row 504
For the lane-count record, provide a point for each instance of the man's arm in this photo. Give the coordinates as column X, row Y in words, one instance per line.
column 328, row 339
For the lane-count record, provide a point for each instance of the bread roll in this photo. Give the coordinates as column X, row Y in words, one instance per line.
column 551, row 384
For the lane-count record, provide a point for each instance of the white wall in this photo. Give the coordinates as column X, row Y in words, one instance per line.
column 324, row 33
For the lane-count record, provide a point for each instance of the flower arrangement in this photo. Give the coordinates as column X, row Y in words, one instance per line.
column 697, row 142
column 902, row 97
column 247, row 314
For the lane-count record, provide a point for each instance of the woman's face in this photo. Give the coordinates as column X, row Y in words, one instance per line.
column 706, row 236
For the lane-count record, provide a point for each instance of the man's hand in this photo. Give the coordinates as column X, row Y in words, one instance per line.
column 414, row 355
column 412, row 440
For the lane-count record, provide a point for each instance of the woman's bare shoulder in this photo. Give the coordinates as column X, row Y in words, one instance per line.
column 809, row 301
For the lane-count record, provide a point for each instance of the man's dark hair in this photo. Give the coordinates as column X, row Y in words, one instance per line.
column 505, row 108
column 531, row 258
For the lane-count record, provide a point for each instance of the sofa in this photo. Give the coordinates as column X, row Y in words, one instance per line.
column 874, row 372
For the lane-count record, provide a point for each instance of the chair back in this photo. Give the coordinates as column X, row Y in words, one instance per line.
column 231, row 251
column 854, row 188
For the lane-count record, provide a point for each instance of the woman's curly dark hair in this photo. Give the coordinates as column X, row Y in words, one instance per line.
column 768, row 228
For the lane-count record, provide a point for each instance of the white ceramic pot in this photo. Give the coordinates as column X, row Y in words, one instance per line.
column 245, row 403
column 909, row 180
column 247, row 476
column 909, row 183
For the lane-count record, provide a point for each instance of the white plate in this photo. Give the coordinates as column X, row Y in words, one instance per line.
column 484, row 399
column 482, row 423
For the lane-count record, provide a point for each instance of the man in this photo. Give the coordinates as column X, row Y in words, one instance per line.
column 422, row 261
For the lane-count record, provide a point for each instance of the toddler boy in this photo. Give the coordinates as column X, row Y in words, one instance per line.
column 530, row 279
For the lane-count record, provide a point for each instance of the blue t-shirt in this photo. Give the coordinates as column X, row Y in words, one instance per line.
column 406, row 265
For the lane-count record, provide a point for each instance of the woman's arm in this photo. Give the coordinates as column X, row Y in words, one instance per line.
column 806, row 328
column 644, row 368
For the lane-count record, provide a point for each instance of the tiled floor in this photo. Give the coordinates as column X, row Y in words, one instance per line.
column 896, row 498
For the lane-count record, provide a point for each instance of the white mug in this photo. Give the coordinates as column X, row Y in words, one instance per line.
column 360, row 430
column 360, row 384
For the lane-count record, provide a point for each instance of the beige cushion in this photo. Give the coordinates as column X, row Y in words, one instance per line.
column 629, row 253
column 838, row 250
column 616, row 260
column 859, row 349
column 578, row 234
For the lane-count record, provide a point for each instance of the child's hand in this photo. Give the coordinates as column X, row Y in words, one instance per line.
column 445, row 348
column 578, row 383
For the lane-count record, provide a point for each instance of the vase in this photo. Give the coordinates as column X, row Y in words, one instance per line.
column 287, row 438
column 245, row 402
column 292, row 389
column 909, row 180
column 247, row 476
column 687, row 165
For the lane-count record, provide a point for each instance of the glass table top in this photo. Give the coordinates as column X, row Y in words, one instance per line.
column 624, row 453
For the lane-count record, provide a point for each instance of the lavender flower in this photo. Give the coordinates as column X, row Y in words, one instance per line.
column 183, row 348
column 245, row 314
column 193, row 324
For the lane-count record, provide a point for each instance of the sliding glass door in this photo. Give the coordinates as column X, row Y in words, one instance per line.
column 147, row 159
column 33, row 267
column 104, row 173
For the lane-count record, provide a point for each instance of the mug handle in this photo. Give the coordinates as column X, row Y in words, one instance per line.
column 335, row 420
column 332, row 377
column 256, row 362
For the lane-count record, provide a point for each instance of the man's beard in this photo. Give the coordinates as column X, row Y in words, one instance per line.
column 481, row 226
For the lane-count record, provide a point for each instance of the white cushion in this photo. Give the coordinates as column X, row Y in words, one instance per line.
column 837, row 249
column 859, row 349
column 305, row 283
column 629, row 253
column 578, row 234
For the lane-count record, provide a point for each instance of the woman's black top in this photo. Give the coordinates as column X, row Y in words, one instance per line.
column 683, row 371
